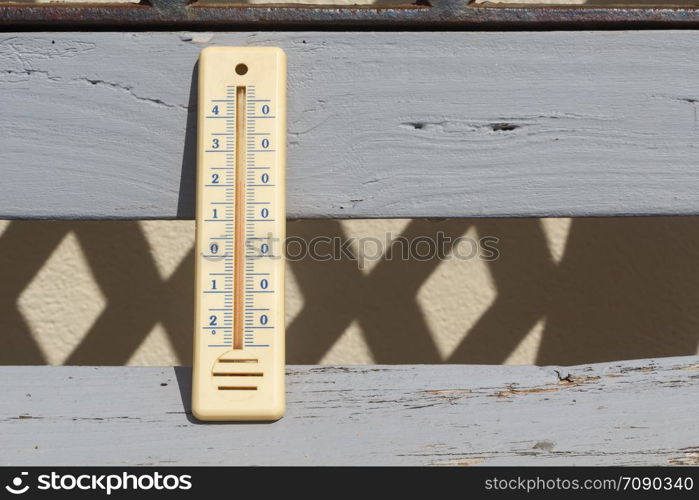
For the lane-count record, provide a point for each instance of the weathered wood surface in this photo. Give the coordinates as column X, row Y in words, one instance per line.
column 101, row 125
column 634, row 412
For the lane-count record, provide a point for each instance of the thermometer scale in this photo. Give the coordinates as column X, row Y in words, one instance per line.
column 240, row 215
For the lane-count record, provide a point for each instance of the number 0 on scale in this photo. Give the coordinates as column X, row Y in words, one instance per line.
column 239, row 311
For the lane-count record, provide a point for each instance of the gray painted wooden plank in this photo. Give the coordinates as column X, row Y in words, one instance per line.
column 631, row 413
column 101, row 125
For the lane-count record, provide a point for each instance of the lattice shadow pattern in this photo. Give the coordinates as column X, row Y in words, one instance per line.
column 624, row 288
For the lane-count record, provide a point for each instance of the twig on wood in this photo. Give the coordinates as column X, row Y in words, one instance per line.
column 567, row 378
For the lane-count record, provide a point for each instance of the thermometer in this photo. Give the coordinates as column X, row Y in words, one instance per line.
column 238, row 369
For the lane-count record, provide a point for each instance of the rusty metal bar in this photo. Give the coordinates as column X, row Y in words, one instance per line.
column 444, row 14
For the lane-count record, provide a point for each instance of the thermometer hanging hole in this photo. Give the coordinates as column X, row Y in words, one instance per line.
column 241, row 69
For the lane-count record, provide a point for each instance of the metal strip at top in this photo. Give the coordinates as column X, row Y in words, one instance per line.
column 424, row 14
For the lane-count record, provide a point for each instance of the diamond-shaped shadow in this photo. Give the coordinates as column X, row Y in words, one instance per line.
column 63, row 293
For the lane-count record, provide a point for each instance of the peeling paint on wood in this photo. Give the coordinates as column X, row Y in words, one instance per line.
column 632, row 413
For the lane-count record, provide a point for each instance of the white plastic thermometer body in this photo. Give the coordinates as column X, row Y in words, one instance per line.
column 239, row 317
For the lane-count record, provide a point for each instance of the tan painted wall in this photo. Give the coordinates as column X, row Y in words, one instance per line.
column 563, row 291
